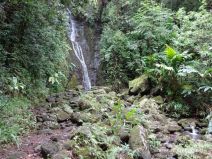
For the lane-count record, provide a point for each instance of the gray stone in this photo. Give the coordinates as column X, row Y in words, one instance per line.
column 49, row 149
column 185, row 123
column 138, row 142
column 62, row 115
column 84, row 104
column 173, row 127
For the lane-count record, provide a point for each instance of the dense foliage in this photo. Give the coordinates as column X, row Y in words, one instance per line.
column 33, row 52
column 173, row 48
column 167, row 40
column 33, row 45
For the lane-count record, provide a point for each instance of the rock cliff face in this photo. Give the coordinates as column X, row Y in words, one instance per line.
column 91, row 36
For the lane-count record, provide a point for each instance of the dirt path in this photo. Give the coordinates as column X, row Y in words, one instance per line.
column 29, row 145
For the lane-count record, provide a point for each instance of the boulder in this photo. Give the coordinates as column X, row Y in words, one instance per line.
column 158, row 99
column 68, row 109
column 76, row 118
column 49, row 149
column 138, row 142
column 139, row 85
column 62, row 116
column 173, row 127
column 84, row 104
column 187, row 123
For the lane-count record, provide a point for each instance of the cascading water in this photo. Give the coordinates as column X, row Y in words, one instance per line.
column 76, row 36
column 194, row 133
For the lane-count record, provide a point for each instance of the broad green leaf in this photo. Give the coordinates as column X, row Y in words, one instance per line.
column 170, row 52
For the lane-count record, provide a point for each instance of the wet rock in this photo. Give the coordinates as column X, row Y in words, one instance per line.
column 49, row 149
column 186, row 123
column 138, row 142
column 17, row 155
column 139, row 85
column 173, row 127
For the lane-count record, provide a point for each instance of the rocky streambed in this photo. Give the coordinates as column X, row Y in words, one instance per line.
column 102, row 124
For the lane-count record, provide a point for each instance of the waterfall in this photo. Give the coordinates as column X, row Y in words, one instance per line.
column 194, row 133
column 77, row 38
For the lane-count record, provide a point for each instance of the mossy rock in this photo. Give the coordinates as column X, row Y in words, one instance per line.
column 158, row 99
column 139, row 85
column 138, row 142
column 73, row 83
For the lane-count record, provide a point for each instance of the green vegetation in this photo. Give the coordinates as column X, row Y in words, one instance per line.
column 33, row 46
column 160, row 50
column 16, row 119
column 190, row 150
column 172, row 47
column 33, row 49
